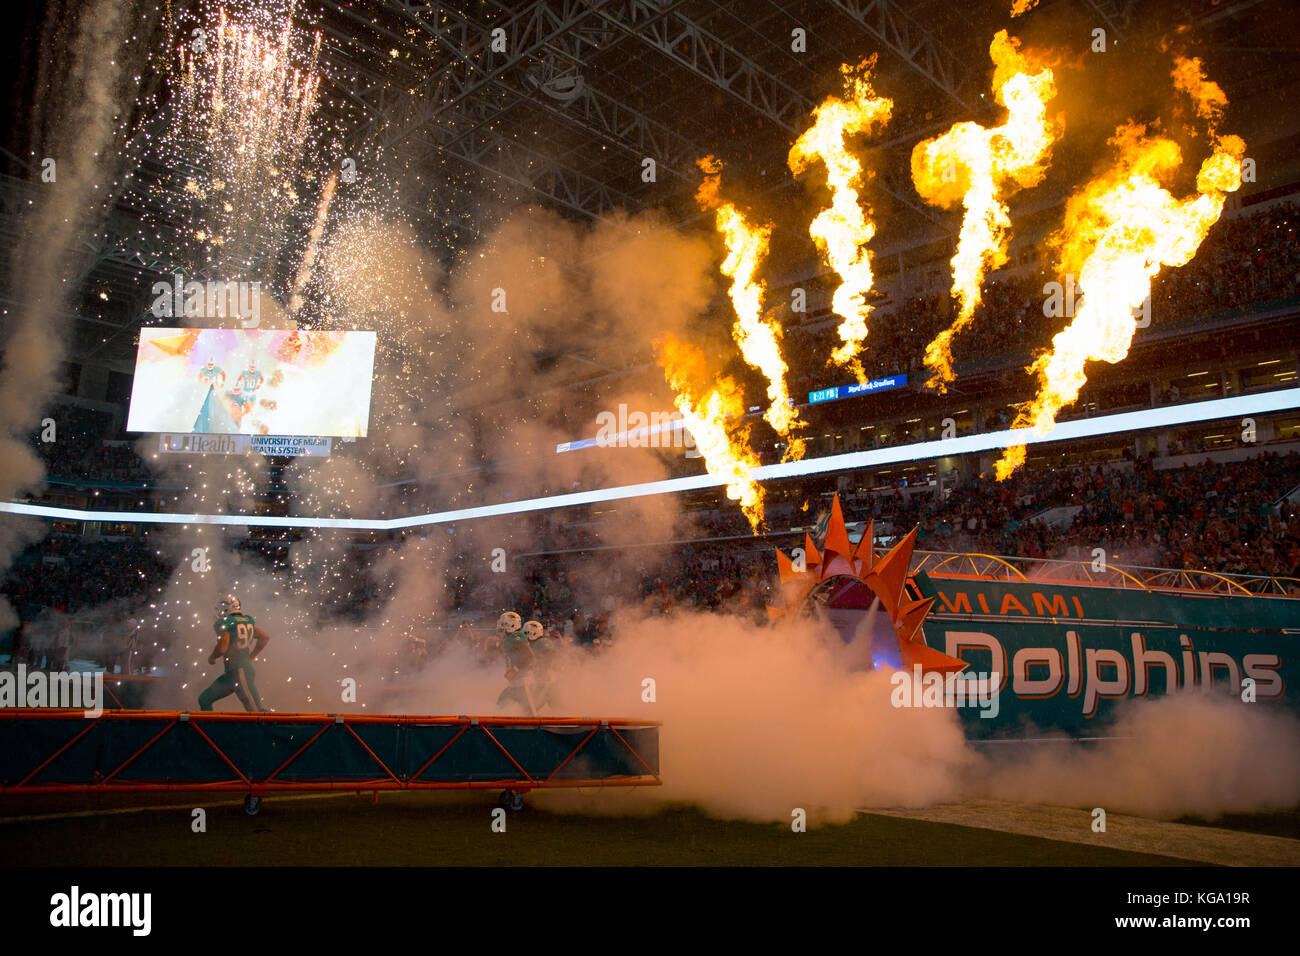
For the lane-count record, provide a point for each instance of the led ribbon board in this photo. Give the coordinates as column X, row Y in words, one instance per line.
column 1145, row 420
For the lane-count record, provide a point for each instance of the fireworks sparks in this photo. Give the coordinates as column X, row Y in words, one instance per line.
column 759, row 338
column 313, row 243
column 245, row 96
column 843, row 230
column 1119, row 230
column 979, row 167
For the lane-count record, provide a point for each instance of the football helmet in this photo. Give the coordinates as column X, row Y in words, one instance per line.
column 508, row 623
column 533, row 630
column 228, row 605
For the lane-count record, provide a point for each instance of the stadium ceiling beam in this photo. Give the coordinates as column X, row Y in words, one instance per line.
column 473, row 142
column 486, row 149
column 629, row 129
column 116, row 246
column 1115, row 15
column 15, row 198
column 1219, row 12
column 136, row 149
column 710, row 57
column 602, row 115
column 656, row 24
column 26, row 162
column 13, row 304
column 113, row 243
column 476, row 65
column 592, row 111
column 612, row 122
column 898, row 30
column 368, row 90
column 498, row 155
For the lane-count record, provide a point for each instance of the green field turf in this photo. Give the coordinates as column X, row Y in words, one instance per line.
column 1281, row 824
column 424, row 829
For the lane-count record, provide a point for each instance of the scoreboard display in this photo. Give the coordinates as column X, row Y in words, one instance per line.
column 284, row 382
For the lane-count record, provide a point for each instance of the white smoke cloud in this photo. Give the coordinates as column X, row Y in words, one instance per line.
column 1197, row 754
column 81, row 101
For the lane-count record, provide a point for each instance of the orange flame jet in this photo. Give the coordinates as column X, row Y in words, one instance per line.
column 1119, row 230
column 843, row 229
column 759, row 339
column 708, row 413
column 978, row 167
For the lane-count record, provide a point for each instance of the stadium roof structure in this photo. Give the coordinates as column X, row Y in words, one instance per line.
column 590, row 88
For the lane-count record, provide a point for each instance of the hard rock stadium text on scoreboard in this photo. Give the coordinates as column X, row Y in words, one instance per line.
column 848, row 391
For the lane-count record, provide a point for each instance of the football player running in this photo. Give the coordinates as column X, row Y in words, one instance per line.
column 239, row 641
column 543, row 661
column 519, row 660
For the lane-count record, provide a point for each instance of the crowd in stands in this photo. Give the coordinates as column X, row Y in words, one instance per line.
column 1219, row 517
column 67, row 573
column 78, row 449
column 1225, row 517
column 1210, row 516
column 1253, row 258
column 715, row 577
column 95, row 463
column 1246, row 259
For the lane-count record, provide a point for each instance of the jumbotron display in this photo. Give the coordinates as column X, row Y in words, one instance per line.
column 252, row 382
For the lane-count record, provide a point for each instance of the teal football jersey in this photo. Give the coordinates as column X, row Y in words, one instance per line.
column 242, row 638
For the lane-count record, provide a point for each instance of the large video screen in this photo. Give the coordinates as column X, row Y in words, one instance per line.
column 252, row 382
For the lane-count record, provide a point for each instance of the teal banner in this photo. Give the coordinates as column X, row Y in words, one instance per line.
column 1071, row 677
column 1053, row 657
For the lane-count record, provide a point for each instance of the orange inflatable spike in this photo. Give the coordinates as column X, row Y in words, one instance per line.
column 914, row 653
column 863, row 550
column 812, row 557
column 786, row 567
column 892, row 569
column 910, row 616
column 837, row 536
column 774, row 613
column 880, row 588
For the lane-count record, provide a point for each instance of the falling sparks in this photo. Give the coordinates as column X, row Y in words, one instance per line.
column 246, row 94
column 843, row 229
column 313, row 243
column 979, row 167
column 758, row 338
column 710, row 414
column 1118, row 232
